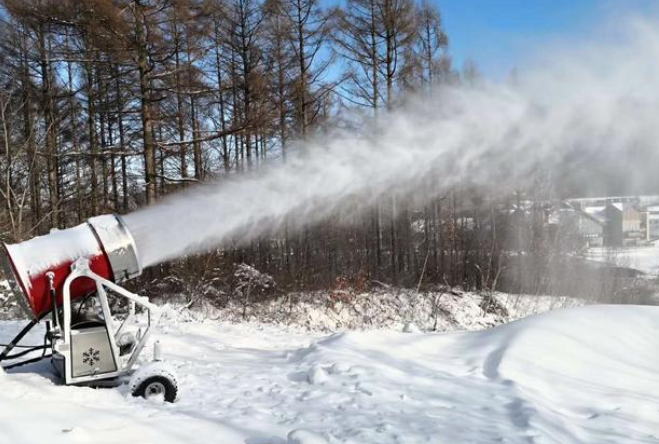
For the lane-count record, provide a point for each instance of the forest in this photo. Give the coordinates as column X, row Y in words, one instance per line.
column 106, row 106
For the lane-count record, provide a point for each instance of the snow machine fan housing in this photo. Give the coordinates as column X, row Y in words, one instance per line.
column 104, row 241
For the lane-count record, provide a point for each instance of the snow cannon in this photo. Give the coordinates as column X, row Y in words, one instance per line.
column 34, row 266
column 71, row 278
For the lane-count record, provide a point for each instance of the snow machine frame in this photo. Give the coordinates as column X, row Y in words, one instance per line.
column 62, row 339
column 152, row 379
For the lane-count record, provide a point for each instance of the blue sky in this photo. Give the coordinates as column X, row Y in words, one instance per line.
column 498, row 35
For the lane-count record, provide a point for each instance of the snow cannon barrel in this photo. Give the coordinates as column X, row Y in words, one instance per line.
column 104, row 241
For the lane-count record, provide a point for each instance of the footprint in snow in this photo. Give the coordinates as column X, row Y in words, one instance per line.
column 301, row 436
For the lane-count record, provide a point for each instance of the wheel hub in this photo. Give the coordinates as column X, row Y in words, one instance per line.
column 155, row 389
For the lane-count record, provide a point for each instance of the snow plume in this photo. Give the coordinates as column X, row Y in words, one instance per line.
column 586, row 105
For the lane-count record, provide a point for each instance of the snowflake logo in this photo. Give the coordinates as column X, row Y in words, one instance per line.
column 91, row 357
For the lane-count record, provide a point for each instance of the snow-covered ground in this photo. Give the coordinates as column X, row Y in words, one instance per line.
column 581, row 375
column 645, row 259
column 324, row 311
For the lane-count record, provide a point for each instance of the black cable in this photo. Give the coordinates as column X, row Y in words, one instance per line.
column 14, row 342
column 45, row 344
column 45, row 347
column 83, row 302
column 8, row 348
column 26, row 346
column 20, row 346
column 53, row 299
column 25, row 352
column 31, row 349
column 28, row 361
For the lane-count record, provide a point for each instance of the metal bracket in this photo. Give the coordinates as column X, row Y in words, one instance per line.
column 80, row 269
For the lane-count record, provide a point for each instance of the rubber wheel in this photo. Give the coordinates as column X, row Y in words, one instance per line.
column 156, row 386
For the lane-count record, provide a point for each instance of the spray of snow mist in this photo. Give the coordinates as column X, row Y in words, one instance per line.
column 578, row 106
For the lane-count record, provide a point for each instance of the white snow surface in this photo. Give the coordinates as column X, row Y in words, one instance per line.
column 580, row 375
column 645, row 259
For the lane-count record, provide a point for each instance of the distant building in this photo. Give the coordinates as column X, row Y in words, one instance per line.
column 605, row 221
column 591, row 229
column 622, row 226
column 596, row 212
column 639, row 201
column 613, row 227
column 570, row 222
column 652, row 223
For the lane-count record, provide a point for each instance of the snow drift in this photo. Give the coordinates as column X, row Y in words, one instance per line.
column 585, row 375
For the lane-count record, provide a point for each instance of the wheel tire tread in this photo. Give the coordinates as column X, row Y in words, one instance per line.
column 171, row 388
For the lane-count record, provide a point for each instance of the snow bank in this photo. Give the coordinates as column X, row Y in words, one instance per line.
column 645, row 259
column 383, row 309
column 588, row 375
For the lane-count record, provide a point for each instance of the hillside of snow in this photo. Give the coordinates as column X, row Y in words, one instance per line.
column 581, row 375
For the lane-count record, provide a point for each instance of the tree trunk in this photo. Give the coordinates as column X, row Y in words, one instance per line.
column 51, row 128
column 146, row 111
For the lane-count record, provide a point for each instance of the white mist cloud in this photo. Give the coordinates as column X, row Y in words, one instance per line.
column 590, row 105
